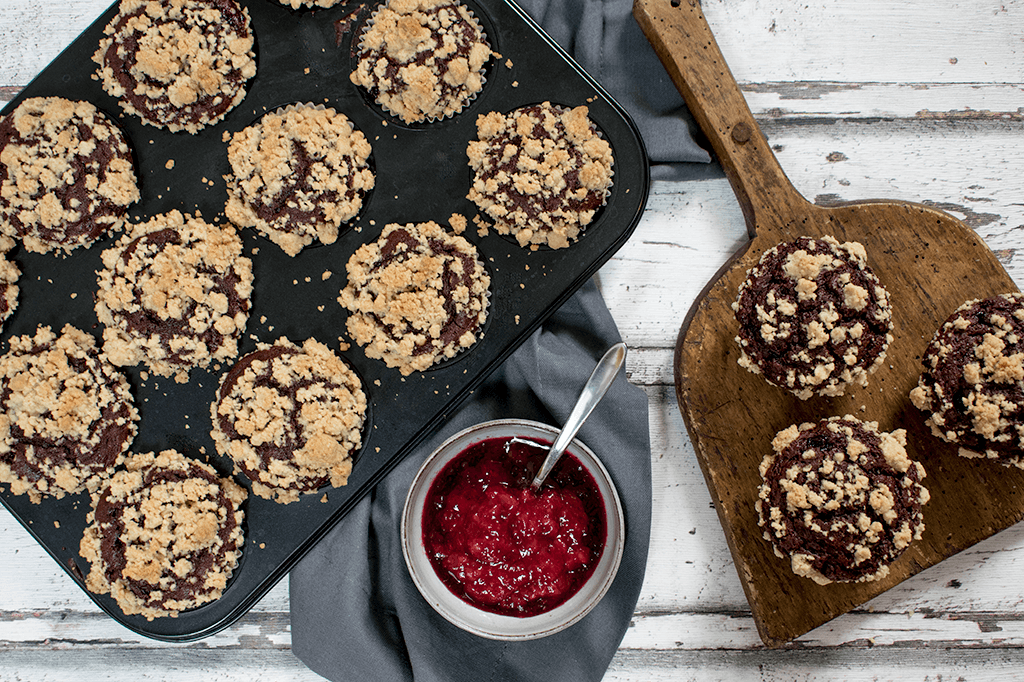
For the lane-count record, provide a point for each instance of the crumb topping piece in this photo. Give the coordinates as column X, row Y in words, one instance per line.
column 9, row 274
column 416, row 296
column 164, row 535
column 298, row 175
column 813, row 317
column 290, row 418
column 422, row 59
column 66, row 174
column 68, row 415
column 174, row 293
column 972, row 386
column 540, row 173
column 840, row 499
column 177, row 64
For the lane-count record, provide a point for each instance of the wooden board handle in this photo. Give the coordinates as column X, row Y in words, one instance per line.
column 683, row 41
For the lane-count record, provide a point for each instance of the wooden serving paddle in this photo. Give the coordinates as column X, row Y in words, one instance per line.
column 929, row 262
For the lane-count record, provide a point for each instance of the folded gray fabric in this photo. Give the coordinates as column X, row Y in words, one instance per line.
column 606, row 41
column 355, row 612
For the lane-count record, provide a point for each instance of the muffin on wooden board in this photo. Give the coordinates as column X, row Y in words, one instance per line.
column 972, row 386
column 840, row 499
column 813, row 318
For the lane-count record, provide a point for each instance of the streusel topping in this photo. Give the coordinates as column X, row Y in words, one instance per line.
column 416, row 296
column 179, row 64
column 66, row 174
column 290, row 418
column 540, row 173
column 422, row 59
column 164, row 535
column 68, row 415
column 298, row 175
column 174, row 293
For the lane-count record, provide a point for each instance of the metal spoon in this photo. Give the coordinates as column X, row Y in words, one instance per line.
column 593, row 391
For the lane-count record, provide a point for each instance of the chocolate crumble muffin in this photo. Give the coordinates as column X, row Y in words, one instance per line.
column 840, row 499
column 9, row 274
column 813, row 318
column 66, row 174
column 416, row 296
column 164, row 535
column 540, row 173
column 298, row 175
column 177, row 64
column 290, row 418
column 68, row 415
column 174, row 293
column 972, row 387
column 422, row 59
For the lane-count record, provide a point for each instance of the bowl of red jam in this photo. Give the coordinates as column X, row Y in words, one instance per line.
column 495, row 557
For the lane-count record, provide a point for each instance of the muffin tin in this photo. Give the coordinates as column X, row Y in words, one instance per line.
column 421, row 174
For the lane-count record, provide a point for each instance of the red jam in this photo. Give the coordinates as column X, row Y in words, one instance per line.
column 500, row 546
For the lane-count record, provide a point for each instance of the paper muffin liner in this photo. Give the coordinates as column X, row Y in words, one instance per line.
column 426, row 120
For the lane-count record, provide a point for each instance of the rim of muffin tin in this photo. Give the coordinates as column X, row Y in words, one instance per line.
column 244, row 589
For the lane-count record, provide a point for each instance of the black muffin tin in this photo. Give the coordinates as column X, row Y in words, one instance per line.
column 421, row 174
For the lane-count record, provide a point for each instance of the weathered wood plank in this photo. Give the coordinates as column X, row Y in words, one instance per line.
column 863, row 663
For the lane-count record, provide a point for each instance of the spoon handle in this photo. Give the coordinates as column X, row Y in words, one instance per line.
column 595, row 388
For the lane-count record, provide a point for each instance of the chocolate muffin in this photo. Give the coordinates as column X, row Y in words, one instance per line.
column 840, row 499
column 9, row 274
column 813, row 318
column 177, row 64
column 290, row 418
column 164, row 535
column 297, row 175
column 174, row 293
column 540, row 173
column 972, row 387
column 66, row 174
column 422, row 60
column 416, row 296
column 68, row 415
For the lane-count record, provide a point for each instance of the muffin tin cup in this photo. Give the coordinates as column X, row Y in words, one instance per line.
column 421, row 174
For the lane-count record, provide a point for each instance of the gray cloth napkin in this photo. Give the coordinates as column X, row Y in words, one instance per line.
column 606, row 41
column 355, row 612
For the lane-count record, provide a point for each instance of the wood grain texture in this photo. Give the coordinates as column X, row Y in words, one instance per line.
column 929, row 262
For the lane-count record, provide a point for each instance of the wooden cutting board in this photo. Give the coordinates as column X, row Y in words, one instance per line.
column 929, row 262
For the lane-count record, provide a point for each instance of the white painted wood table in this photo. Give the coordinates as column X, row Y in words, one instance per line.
column 919, row 100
